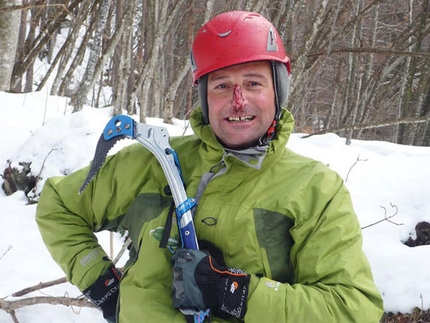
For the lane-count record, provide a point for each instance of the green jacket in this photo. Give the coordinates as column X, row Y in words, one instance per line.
column 283, row 218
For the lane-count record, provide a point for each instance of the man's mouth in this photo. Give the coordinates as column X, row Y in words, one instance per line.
column 240, row 119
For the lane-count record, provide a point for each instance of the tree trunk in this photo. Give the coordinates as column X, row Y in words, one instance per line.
column 355, row 78
column 122, row 62
column 9, row 32
column 20, row 51
column 160, row 24
column 68, row 49
column 404, row 90
column 96, row 47
column 421, row 89
column 64, row 82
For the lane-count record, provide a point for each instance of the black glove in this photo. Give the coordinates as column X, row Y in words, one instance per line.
column 199, row 283
column 104, row 293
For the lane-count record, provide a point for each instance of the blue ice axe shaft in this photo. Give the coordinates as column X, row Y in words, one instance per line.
column 156, row 140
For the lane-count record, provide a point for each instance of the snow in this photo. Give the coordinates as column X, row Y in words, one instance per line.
column 385, row 180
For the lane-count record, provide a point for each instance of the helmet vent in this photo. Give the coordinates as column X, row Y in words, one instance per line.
column 225, row 34
column 271, row 44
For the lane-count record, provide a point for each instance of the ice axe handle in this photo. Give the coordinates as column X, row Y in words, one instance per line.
column 186, row 224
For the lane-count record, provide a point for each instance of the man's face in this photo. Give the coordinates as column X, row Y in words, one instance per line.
column 241, row 101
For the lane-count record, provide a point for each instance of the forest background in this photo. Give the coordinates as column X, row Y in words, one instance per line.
column 360, row 68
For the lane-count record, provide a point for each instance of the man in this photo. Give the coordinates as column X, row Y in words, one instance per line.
column 282, row 242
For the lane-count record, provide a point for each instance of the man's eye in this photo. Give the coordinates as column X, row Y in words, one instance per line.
column 221, row 86
column 254, row 83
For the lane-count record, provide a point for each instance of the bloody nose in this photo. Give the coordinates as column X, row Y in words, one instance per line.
column 237, row 102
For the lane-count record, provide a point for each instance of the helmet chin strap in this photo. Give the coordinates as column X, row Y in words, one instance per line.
column 271, row 132
column 269, row 135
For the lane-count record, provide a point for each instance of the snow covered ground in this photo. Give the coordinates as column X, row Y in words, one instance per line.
column 386, row 180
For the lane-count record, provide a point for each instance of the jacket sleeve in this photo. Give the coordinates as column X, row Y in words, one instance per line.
column 66, row 225
column 333, row 280
column 67, row 220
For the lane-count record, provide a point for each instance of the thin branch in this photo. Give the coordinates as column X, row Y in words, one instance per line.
column 11, row 306
column 63, row 280
column 121, row 252
column 4, row 253
column 44, row 161
column 14, row 318
column 358, row 159
column 382, row 51
column 39, row 286
column 31, row 199
column 386, row 218
column 372, row 125
column 36, row 4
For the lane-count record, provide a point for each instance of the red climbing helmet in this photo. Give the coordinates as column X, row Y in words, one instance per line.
column 235, row 37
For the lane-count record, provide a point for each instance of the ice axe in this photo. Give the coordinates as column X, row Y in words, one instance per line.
column 156, row 140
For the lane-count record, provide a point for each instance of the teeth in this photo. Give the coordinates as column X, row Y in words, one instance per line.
column 240, row 119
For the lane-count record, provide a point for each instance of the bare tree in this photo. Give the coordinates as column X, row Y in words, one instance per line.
column 64, row 58
column 89, row 77
column 9, row 31
column 353, row 63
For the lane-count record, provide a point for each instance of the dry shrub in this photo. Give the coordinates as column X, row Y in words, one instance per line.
column 417, row 316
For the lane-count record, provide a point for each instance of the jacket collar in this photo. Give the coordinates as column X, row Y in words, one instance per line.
column 253, row 156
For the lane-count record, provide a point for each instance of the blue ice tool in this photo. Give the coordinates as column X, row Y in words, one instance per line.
column 156, row 140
